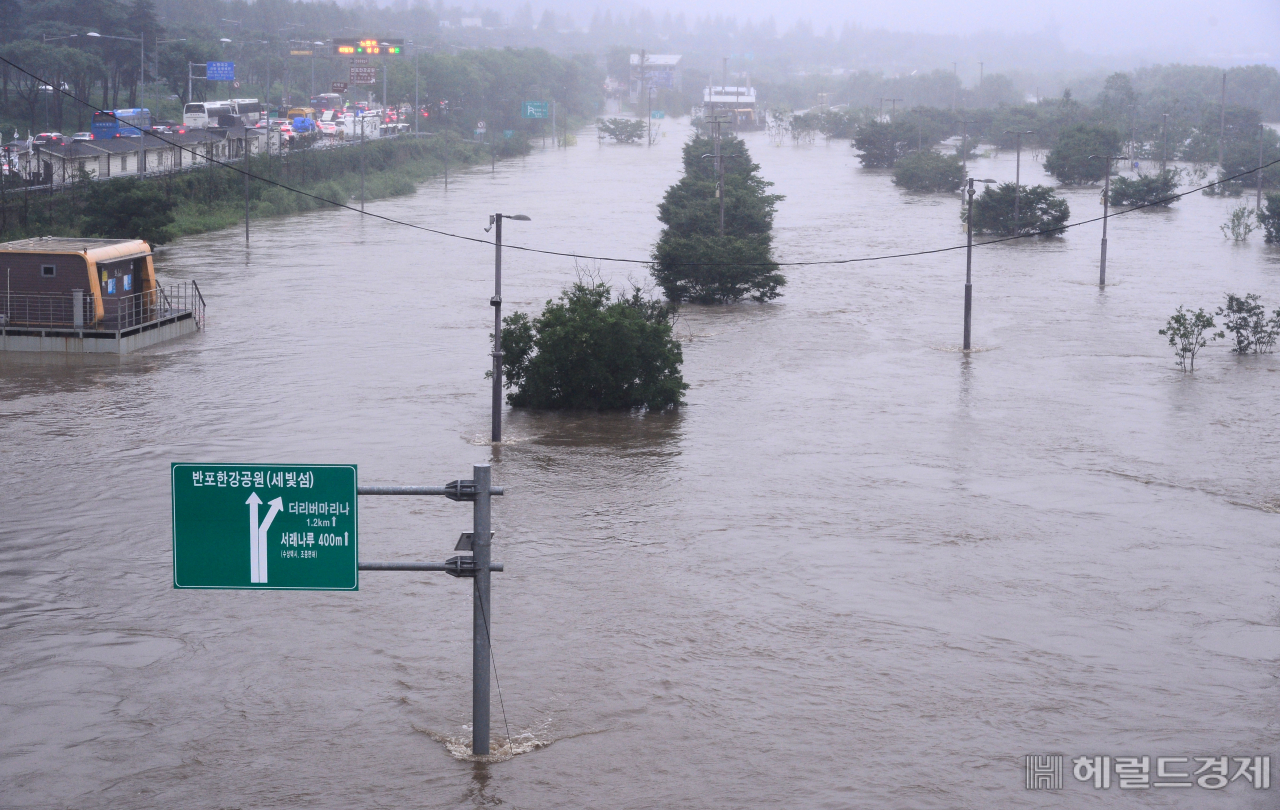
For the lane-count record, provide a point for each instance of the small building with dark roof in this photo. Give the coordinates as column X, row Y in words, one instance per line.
column 89, row 295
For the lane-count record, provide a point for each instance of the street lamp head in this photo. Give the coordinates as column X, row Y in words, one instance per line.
column 93, row 34
column 224, row 39
column 520, row 217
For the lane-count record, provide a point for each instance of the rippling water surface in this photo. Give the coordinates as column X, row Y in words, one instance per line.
column 859, row 569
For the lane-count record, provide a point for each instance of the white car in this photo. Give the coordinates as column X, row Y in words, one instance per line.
column 330, row 129
column 82, row 136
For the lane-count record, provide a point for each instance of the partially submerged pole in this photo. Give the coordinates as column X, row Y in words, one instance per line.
column 481, row 610
column 968, row 269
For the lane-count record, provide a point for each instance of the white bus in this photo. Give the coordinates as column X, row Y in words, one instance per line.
column 205, row 114
column 249, row 110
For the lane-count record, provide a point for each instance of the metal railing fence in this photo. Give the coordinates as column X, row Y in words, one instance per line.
column 119, row 312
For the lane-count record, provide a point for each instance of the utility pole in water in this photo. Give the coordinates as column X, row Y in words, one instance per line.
column 964, row 145
column 1164, row 143
column 1222, row 119
column 1262, row 129
column 968, row 265
column 1017, row 176
column 1106, row 213
column 495, row 221
column 246, row 186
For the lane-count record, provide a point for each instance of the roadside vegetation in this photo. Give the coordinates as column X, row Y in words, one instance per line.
column 692, row 261
column 1245, row 322
column 1269, row 219
column 929, row 171
column 1039, row 209
column 1154, row 190
column 161, row 208
column 622, row 130
column 1081, row 153
column 590, row 351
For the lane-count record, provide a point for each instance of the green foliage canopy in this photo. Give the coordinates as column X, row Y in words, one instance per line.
column 1269, row 219
column 1155, row 189
column 929, row 171
column 586, row 352
column 128, row 209
column 622, row 130
column 1071, row 160
column 692, row 261
column 882, row 142
column 1039, row 209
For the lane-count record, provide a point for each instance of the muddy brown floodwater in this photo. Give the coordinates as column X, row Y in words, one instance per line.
column 858, row 569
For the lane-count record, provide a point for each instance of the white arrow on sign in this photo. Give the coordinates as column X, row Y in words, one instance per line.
column 258, row 537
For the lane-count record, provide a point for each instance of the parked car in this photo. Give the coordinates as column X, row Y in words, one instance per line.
column 82, row 136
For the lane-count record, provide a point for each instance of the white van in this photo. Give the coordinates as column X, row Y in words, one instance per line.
column 204, row 114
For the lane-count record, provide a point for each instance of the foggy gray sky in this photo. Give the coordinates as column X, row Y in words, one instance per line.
column 1162, row 30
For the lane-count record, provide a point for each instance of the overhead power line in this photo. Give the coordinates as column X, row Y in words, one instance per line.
column 619, row 260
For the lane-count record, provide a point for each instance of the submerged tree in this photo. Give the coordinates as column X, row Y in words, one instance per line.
column 1185, row 331
column 1269, row 219
column 1080, row 154
column 622, row 130
column 587, row 352
column 882, row 143
column 1039, row 209
column 1153, row 190
column 928, row 171
column 1240, row 224
column 1246, row 319
column 692, row 261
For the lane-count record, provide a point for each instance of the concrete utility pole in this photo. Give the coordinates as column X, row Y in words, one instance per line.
column 644, row 90
column 1262, row 129
column 1106, row 213
column 718, row 122
column 968, row 270
column 495, row 221
column 1222, row 119
column 1017, row 176
column 964, row 145
column 968, row 265
column 1164, row 143
column 955, row 75
column 246, row 186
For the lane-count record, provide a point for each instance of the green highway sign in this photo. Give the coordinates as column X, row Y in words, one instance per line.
column 537, row 109
column 265, row 526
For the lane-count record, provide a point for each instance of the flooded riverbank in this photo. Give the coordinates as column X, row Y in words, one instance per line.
column 859, row 569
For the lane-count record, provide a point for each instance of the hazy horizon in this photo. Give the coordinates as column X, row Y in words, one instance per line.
column 1229, row 32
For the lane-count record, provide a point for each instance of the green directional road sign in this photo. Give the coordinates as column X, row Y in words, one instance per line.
column 658, row 114
column 537, row 109
column 265, row 526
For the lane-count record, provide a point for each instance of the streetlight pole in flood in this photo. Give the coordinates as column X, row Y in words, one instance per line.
column 968, row 265
column 495, row 221
column 1106, row 213
column 1262, row 130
